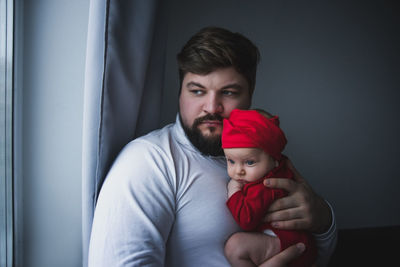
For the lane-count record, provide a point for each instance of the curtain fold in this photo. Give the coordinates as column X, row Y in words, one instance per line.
column 123, row 87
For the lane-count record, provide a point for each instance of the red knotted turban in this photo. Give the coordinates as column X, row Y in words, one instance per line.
column 248, row 128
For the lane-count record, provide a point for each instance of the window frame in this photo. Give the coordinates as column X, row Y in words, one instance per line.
column 6, row 133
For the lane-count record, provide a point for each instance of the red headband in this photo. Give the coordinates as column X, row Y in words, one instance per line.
column 248, row 128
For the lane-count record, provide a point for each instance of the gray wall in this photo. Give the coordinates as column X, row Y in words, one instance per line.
column 53, row 58
column 330, row 70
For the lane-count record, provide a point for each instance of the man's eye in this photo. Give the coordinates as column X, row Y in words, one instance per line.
column 231, row 161
column 229, row 93
column 197, row 92
column 250, row 162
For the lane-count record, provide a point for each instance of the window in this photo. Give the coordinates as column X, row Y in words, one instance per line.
column 6, row 132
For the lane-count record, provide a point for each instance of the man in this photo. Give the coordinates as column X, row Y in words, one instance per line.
column 163, row 201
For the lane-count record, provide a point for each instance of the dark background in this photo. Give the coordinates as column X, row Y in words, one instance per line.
column 330, row 70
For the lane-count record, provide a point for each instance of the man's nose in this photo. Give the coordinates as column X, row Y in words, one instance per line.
column 213, row 104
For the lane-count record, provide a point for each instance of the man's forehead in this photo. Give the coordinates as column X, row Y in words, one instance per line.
column 221, row 78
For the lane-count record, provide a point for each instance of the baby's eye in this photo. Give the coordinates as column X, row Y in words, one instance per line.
column 231, row 161
column 250, row 162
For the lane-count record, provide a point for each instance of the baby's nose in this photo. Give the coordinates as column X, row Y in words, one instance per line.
column 241, row 171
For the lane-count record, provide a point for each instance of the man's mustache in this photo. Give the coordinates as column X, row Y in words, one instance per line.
column 208, row 117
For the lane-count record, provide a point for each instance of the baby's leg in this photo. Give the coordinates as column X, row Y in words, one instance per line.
column 250, row 248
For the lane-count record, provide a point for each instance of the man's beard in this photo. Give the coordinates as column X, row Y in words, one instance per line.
column 209, row 146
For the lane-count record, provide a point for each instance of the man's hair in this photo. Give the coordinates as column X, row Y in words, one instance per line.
column 214, row 48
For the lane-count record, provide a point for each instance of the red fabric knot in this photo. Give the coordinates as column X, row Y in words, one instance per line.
column 248, row 128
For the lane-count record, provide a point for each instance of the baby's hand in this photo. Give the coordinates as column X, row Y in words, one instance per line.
column 233, row 187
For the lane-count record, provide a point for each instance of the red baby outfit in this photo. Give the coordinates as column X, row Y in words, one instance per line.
column 248, row 128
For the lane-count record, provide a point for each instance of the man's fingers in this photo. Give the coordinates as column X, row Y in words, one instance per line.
column 282, row 204
column 281, row 183
column 283, row 258
column 297, row 224
column 284, row 215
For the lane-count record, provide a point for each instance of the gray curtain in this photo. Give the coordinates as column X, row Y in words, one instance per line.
column 123, row 85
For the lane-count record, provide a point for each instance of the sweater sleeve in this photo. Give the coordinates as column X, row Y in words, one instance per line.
column 135, row 211
column 249, row 206
column 326, row 242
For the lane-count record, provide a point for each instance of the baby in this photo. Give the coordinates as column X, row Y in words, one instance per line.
column 253, row 142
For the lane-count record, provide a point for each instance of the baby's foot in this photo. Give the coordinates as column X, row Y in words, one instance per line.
column 267, row 246
column 273, row 247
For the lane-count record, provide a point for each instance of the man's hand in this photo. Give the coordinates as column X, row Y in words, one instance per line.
column 302, row 209
column 283, row 258
column 233, row 187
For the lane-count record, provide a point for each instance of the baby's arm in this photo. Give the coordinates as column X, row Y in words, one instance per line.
column 248, row 208
column 233, row 187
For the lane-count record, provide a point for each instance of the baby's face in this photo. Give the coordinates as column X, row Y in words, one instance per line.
column 248, row 164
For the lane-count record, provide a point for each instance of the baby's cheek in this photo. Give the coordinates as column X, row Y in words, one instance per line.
column 230, row 172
